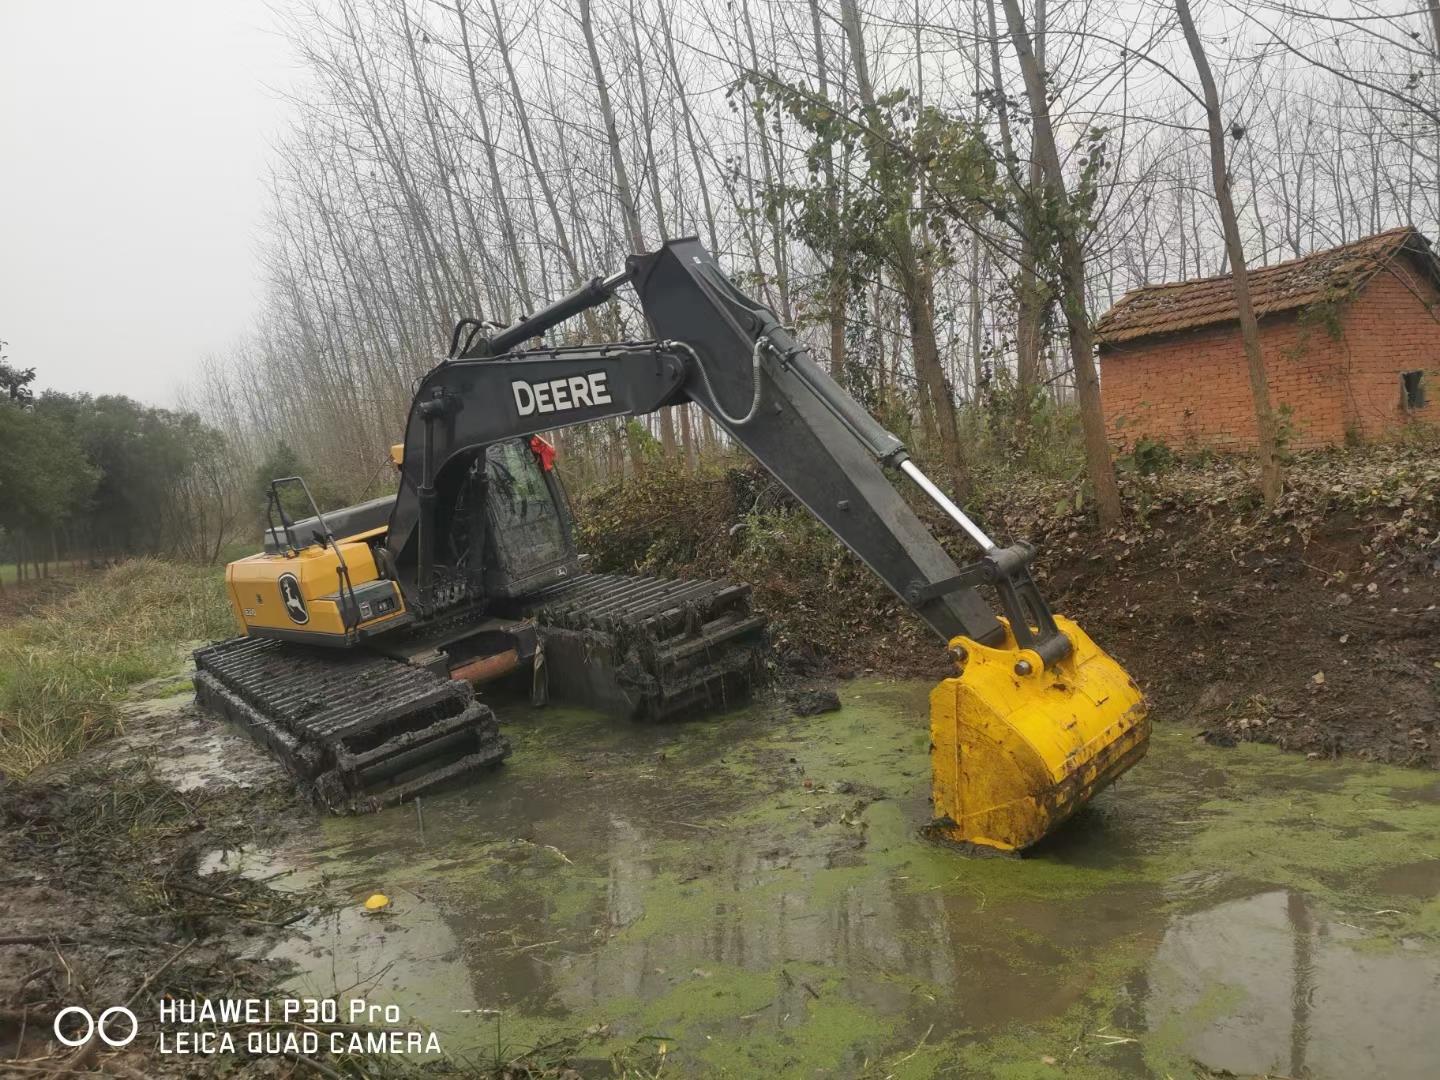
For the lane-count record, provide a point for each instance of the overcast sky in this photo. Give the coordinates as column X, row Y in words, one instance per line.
column 133, row 140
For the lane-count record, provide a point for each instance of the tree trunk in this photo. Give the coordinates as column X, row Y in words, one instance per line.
column 612, row 134
column 689, row 122
column 687, row 437
column 667, row 432
column 1031, row 296
column 1072, row 272
column 920, row 314
column 1272, row 472
column 648, row 121
column 977, row 329
column 913, row 276
column 769, row 159
column 836, row 286
column 652, row 179
column 614, row 444
column 522, row 116
column 508, row 235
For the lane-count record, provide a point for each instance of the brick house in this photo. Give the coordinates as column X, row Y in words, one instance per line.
column 1350, row 337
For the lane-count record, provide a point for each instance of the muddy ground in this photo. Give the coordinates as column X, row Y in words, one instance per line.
column 1314, row 643
column 102, row 897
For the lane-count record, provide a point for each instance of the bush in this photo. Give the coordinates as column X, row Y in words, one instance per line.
column 736, row 522
column 671, row 520
column 1147, row 456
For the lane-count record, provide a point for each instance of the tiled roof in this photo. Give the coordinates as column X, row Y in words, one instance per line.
column 1332, row 274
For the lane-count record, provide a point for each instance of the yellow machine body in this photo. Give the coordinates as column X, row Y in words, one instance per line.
column 1012, row 754
column 263, row 590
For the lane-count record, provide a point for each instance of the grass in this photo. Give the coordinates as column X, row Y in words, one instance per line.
column 64, row 669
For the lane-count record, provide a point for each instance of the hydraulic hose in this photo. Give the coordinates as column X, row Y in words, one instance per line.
column 761, row 343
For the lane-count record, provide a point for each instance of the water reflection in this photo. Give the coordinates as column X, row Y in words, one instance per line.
column 1274, row 984
column 767, row 910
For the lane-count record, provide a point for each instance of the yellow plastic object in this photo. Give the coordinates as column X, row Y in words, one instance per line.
column 1015, row 755
column 377, row 902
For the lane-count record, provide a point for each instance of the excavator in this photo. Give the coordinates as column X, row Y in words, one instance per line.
column 365, row 630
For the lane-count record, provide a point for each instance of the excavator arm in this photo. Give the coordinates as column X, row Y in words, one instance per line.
column 1037, row 718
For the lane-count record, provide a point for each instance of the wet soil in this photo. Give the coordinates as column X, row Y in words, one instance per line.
column 100, row 886
column 1309, row 640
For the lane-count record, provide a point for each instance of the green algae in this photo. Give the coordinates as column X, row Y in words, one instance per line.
column 754, row 892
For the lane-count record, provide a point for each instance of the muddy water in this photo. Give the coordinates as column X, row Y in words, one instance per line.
column 750, row 896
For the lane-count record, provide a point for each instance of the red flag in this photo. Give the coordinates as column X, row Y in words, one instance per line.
column 544, row 451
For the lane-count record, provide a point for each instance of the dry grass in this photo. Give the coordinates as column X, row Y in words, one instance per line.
column 64, row 668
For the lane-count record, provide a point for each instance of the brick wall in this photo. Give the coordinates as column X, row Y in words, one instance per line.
column 1386, row 331
column 1191, row 389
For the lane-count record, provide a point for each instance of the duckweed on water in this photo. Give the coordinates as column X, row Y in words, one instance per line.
column 755, row 892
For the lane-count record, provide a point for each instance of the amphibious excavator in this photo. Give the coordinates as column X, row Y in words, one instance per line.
column 365, row 628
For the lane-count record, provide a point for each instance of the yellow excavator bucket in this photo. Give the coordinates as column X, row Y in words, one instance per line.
column 1017, row 747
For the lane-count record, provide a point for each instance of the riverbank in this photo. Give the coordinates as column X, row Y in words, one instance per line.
column 1312, row 626
column 72, row 648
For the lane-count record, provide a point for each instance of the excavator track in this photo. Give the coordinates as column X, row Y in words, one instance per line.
column 647, row 647
column 360, row 730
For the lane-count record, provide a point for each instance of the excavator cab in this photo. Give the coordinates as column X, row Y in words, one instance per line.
column 502, row 527
column 530, row 542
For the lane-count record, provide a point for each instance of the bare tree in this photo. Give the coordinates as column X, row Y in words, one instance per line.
column 1072, row 274
column 1272, row 475
column 465, row 156
column 612, row 133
